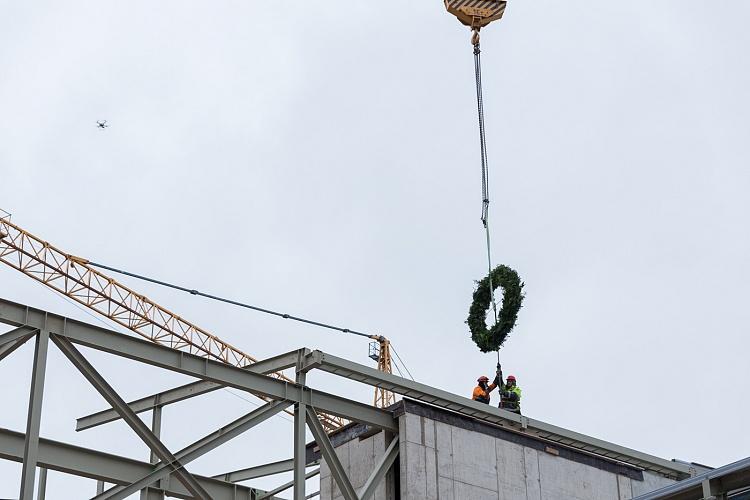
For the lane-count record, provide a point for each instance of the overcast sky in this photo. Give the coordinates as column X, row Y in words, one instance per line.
column 321, row 158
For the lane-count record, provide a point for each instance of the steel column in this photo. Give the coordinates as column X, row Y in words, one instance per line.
column 288, row 485
column 149, row 493
column 42, row 486
column 135, row 423
column 156, row 429
column 34, row 416
column 712, row 490
column 329, row 454
column 300, row 443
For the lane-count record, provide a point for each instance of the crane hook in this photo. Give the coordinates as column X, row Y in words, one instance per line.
column 475, row 37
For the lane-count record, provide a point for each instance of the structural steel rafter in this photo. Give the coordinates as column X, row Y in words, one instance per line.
column 72, row 277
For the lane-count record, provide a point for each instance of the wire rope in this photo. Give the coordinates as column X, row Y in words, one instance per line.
column 485, row 166
column 230, row 301
column 401, row 361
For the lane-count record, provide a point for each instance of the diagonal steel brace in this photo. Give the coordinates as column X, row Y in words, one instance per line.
column 135, row 423
column 199, row 448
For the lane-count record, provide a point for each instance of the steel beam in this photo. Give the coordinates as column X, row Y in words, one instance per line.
column 329, row 454
column 257, row 471
column 288, row 485
column 34, row 416
column 15, row 334
column 105, row 467
column 13, row 342
column 380, row 470
column 189, row 364
column 201, row 447
column 431, row 395
column 263, row 367
column 263, row 470
column 135, row 423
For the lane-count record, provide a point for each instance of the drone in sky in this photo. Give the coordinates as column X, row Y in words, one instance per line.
column 102, row 125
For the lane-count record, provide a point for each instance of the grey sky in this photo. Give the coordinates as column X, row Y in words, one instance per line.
column 322, row 158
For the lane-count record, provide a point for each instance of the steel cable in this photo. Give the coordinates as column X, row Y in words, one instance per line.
column 485, row 167
column 230, row 301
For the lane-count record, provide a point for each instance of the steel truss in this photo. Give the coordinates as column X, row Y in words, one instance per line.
column 154, row 479
column 166, row 474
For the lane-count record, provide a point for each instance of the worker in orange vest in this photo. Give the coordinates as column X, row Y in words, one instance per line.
column 482, row 390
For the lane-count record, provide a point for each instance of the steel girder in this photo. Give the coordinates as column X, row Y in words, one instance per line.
column 183, row 392
column 83, row 462
column 189, row 364
column 258, row 471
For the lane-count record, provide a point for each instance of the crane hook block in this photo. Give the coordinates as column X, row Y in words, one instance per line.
column 476, row 13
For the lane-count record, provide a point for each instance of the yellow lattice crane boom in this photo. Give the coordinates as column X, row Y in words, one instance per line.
column 72, row 277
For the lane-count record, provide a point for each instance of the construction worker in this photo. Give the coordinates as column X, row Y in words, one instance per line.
column 510, row 395
column 482, row 390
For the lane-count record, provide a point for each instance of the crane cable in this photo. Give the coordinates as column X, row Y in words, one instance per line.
column 230, row 301
column 192, row 291
column 485, row 168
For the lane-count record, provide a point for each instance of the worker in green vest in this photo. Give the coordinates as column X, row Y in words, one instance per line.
column 510, row 395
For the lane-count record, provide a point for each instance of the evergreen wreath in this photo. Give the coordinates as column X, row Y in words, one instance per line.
column 491, row 339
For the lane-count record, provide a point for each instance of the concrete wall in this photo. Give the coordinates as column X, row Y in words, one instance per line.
column 455, row 459
column 446, row 462
column 358, row 457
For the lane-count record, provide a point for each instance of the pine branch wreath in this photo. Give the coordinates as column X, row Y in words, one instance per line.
column 491, row 339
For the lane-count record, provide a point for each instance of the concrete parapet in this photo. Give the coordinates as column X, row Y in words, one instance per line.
column 448, row 458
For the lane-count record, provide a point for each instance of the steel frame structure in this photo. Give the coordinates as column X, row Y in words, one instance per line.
column 166, row 473
column 729, row 481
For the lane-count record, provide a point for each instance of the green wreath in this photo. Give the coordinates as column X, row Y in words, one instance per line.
column 491, row 339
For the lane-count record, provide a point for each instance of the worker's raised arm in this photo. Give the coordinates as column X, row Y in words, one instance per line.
column 494, row 383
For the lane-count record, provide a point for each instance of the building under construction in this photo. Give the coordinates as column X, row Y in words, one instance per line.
column 430, row 445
